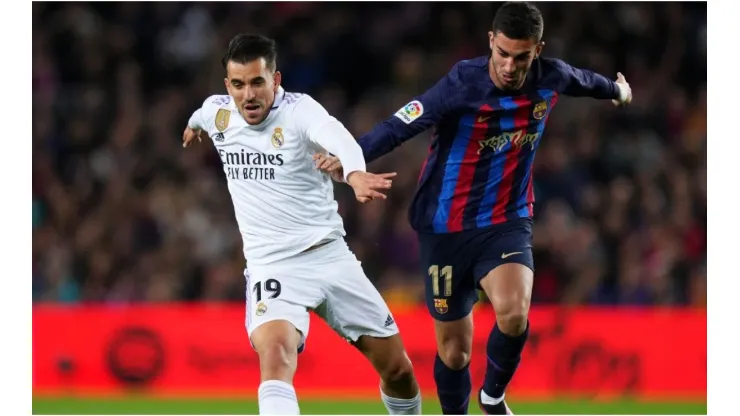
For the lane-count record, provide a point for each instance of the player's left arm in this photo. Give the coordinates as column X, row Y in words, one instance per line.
column 323, row 129
column 578, row 82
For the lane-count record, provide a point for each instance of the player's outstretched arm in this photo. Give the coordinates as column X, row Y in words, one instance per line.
column 326, row 131
column 415, row 117
column 196, row 128
column 577, row 82
column 333, row 166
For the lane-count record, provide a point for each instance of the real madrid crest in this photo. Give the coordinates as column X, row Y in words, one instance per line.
column 540, row 109
column 261, row 309
column 277, row 138
column 222, row 119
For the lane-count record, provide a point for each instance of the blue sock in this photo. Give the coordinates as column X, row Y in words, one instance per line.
column 453, row 387
column 503, row 353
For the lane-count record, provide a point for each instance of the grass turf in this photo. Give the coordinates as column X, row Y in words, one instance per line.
column 80, row 406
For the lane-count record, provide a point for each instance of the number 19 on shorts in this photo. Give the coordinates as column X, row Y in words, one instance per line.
column 446, row 274
column 271, row 286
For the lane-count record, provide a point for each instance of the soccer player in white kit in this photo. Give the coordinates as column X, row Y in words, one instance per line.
column 293, row 235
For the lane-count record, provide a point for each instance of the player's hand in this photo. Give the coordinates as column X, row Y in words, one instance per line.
column 625, row 91
column 368, row 185
column 191, row 134
column 331, row 165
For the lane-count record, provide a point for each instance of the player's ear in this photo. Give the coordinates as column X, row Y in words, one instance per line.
column 490, row 39
column 277, row 79
column 538, row 49
column 226, row 83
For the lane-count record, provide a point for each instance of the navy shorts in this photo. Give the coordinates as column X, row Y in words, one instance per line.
column 455, row 263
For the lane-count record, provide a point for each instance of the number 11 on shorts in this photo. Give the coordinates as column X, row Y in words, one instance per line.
column 446, row 273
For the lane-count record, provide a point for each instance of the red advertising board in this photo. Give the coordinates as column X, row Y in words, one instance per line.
column 204, row 349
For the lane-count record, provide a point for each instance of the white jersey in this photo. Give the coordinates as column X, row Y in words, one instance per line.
column 282, row 202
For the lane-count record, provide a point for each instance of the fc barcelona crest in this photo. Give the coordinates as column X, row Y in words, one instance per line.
column 540, row 109
column 277, row 138
column 441, row 305
column 222, row 119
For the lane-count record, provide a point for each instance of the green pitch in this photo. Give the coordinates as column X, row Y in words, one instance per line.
column 80, row 406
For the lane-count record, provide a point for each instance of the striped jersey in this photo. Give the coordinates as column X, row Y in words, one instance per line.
column 479, row 168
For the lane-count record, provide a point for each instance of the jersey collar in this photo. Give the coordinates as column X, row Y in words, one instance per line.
column 279, row 96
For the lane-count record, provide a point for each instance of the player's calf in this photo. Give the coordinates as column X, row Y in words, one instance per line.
column 398, row 387
column 452, row 364
column 509, row 287
column 276, row 343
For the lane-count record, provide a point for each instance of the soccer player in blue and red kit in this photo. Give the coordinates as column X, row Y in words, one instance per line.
column 474, row 202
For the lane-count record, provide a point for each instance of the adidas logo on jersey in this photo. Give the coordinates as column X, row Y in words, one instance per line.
column 389, row 321
column 218, row 137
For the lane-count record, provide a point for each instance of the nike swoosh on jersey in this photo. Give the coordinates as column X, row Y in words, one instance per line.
column 505, row 255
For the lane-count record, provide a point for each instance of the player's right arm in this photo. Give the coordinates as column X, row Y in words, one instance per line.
column 192, row 133
column 202, row 119
column 318, row 126
column 415, row 117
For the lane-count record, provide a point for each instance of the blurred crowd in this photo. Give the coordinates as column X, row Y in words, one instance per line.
column 122, row 213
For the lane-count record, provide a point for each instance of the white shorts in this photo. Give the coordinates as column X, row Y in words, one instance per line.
column 328, row 280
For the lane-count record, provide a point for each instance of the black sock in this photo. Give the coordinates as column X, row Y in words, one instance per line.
column 453, row 387
column 503, row 353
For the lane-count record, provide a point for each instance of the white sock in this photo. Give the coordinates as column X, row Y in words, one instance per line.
column 397, row 406
column 486, row 399
column 277, row 398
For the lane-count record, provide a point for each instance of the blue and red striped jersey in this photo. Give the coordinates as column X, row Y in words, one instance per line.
column 479, row 168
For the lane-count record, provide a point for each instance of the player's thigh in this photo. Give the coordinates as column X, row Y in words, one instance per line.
column 279, row 294
column 449, row 287
column 509, row 287
column 455, row 341
column 275, row 333
column 506, row 269
column 354, row 307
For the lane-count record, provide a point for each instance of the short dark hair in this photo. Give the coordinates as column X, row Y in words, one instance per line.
column 246, row 47
column 519, row 20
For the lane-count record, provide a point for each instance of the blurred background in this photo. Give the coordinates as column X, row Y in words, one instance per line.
column 123, row 215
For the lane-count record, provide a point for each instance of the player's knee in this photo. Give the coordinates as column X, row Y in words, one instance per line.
column 455, row 359
column 277, row 360
column 512, row 317
column 277, row 350
column 398, row 371
column 455, row 353
column 455, row 342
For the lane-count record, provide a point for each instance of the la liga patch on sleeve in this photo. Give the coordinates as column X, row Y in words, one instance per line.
column 410, row 111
